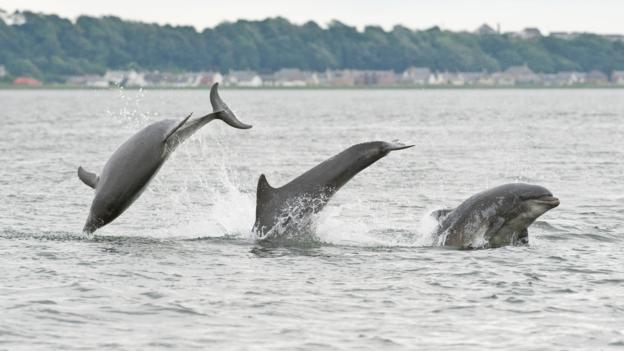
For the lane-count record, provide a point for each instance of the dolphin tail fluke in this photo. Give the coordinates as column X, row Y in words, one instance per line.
column 91, row 179
column 222, row 111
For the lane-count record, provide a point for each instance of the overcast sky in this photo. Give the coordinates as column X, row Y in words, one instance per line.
column 599, row 16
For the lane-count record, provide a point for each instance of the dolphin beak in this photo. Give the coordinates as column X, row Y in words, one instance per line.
column 89, row 228
column 396, row 146
column 91, row 225
column 550, row 201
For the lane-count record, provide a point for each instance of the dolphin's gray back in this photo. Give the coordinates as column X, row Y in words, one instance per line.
column 485, row 211
column 312, row 190
column 132, row 166
column 478, row 211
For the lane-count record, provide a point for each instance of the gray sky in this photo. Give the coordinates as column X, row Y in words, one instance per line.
column 599, row 16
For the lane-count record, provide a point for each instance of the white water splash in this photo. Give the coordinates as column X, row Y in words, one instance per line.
column 207, row 198
column 232, row 211
column 334, row 227
column 128, row 109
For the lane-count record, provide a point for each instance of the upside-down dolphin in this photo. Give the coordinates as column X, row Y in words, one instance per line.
column 286, row 210
column 133, row 165
column 495, row 217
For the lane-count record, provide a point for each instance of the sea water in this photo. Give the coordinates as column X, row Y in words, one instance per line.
column 180, row 269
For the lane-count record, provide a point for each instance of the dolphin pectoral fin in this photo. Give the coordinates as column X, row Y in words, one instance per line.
column 91, row 179
column 441, row 214
column 222, row 111
column 495, row 235
column 177, row 127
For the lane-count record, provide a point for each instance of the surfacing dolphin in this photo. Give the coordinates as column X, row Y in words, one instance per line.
column 133, row 165
column 286, row 211
column 496, row 217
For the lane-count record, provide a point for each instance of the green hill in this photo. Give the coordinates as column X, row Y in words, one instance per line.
column 50, row 47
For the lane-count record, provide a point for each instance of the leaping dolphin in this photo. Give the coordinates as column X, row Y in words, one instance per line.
column 285, row 211
column 133, row 165
column 495, row 217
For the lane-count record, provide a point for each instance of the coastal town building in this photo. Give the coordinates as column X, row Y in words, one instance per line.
column 528, row 33
column 562, row 79
column 92, row 81
column 596, row 78
column 485, row 29
column 417, row 76
column 617, row 77
column 378, row 78
column 27, row 81
column 209, row 78
column 343, row 78
column 521, row 75
column 125, row 78
column 245, row 78
column 293, row 78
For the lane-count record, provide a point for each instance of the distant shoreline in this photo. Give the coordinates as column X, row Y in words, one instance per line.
column 398, row 87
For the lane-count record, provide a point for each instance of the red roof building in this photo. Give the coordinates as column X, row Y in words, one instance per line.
column 28, row 81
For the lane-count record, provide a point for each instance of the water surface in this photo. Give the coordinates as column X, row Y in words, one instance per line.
column 180, row 269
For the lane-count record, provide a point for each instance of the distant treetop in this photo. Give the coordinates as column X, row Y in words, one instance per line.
column 50, row 47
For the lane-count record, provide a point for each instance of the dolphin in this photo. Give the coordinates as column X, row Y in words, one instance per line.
column 132, row 166
column 285, row 211
column 495, row 217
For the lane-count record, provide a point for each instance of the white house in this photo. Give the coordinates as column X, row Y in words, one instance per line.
column 485, row 29
column 243, row 79
column 528, row 33
column 617, row 77
column 417, row 75
column 93, row 81
column 522, row 75
column 126, row 78
column 293, row 77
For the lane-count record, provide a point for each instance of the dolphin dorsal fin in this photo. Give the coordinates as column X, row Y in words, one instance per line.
column 264, row 195
column 91, row 179
column 264, row 191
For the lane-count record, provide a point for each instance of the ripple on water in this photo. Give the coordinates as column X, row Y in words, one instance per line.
column 180, row 269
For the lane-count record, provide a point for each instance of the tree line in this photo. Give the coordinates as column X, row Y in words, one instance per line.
column 50, row 47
